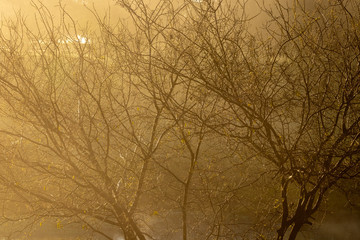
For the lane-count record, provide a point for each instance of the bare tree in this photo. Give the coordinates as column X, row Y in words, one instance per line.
column 82, row 126
column 180, row 116
column 292, row 98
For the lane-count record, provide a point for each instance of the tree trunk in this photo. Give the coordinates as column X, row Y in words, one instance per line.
column 281, row 232
column 295, row 231
column 129, row 234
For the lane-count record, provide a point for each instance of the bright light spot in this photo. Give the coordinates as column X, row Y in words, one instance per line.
column 82, row 40
column 79, row 39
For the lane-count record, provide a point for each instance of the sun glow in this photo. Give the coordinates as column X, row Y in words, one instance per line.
column 77, row 39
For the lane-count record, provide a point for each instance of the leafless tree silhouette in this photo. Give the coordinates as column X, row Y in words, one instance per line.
column 179, row 116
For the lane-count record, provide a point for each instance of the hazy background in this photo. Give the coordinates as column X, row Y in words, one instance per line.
column 344, row 224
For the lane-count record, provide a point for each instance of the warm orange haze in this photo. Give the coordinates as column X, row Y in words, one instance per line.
column 191, row 120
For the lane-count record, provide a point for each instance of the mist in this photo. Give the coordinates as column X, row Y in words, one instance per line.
column 142, row 119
